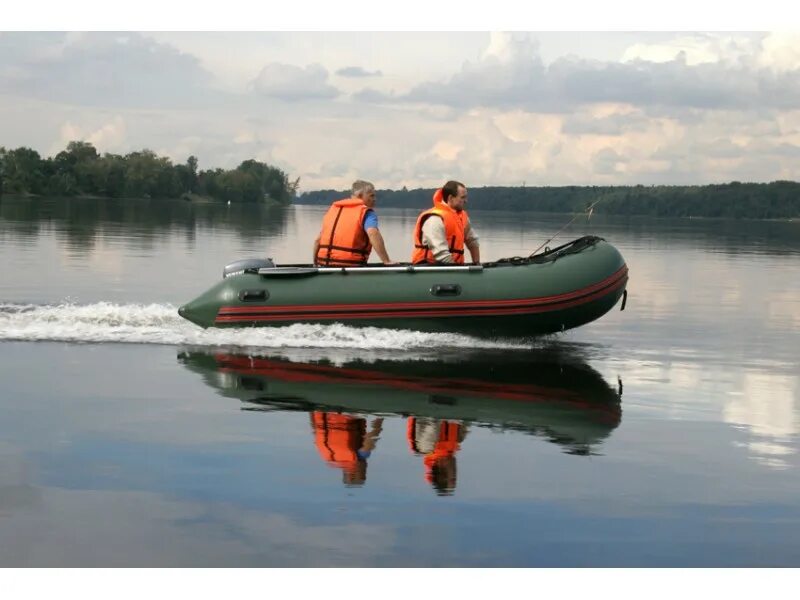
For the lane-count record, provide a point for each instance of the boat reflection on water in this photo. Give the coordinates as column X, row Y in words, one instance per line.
column 548, row 394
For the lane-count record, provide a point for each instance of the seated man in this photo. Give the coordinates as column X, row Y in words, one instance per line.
column 442, row 239
column 350, row 231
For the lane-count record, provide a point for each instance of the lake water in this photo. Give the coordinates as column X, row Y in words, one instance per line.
column 663, row 435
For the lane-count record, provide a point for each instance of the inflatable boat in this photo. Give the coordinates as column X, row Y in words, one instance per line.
column 555, row 290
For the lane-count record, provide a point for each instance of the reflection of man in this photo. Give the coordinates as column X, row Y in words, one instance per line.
column 438, row 441
column 344, row 442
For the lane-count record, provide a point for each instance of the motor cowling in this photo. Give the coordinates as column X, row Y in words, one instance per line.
column 247, row 265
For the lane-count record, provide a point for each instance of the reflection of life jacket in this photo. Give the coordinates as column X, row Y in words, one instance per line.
column 342, row 240
column 455, row 223
column 439, row 461
column 447, row 444
column 338, row 438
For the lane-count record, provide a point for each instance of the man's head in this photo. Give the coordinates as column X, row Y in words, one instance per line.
column 364, row 190
column 454, row 193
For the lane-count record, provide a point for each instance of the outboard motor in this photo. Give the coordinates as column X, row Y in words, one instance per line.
column 247, row 265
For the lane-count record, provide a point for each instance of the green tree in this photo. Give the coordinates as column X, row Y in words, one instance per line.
column 80, row 170
column 187, row 175
column 148, row 176
column 74, row 169
column 23, row 171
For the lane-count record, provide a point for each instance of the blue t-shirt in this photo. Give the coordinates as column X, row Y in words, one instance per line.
column 370, row 220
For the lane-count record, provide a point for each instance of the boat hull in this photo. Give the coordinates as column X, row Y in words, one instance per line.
column 499, row 299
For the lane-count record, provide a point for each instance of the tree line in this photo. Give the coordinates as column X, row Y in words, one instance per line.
column 80, row 170
column 776, row 200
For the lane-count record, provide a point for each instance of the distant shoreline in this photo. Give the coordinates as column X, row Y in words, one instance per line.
column 199, row 200
column 778, row 200
column 193, row 198
column 81, row 171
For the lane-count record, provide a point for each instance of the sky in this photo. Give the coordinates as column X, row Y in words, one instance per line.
column 416, row 108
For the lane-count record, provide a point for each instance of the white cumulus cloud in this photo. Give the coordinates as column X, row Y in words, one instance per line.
column 289, row 82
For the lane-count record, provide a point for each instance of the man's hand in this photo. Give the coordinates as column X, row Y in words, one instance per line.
column 316, row 251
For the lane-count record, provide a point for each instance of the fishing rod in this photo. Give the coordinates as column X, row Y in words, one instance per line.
column 588, row 211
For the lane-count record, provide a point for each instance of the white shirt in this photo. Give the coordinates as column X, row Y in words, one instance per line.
column 434, row 238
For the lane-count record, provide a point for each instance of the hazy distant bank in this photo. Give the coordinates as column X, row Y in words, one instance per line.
column 776, row 200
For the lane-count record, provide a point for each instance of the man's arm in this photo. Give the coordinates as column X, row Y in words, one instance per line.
column 376, row 239
column 434, row 238
column 474, row 251
column 471, row 242
column 316, row 251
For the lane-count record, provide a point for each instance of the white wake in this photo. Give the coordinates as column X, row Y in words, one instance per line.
column 105, row 322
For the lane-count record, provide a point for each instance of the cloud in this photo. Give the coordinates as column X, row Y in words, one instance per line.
column 109, row 137
column 787, row 150
column 607, row 161
column 101, row 69
column 511, row 74
column 695, row 48
column 780, row 51
column 290, row 83
column 373, row 96
column 507, row 75
column 446, row 150
column 357, row 72
column 614, row 124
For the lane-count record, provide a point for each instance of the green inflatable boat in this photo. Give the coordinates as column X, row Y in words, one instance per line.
column 557, row 289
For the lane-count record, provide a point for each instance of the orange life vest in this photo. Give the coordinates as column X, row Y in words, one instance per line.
column 342, row 240
column 455, row 222
column 338, row 438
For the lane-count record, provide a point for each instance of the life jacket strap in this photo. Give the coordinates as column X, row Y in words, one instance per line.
column 335, row 262
column 345, row 248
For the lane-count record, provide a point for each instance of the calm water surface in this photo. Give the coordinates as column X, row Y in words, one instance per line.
column 664, row 435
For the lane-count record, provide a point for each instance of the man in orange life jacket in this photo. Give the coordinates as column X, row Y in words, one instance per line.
column 442, row 239
column 350, row 231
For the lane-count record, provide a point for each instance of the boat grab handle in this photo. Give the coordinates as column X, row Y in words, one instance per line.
column 253, row 295
column 446, row 289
